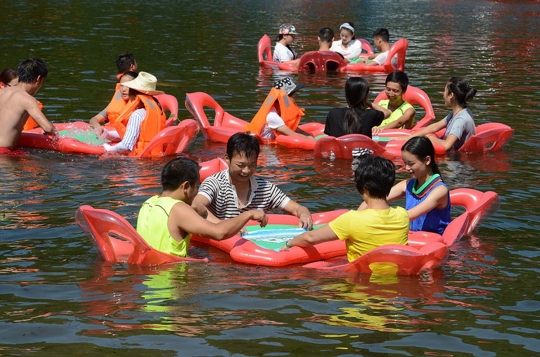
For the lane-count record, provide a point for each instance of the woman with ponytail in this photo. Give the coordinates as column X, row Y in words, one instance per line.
column 360, row 116
column 427, row 198
column 459, row 123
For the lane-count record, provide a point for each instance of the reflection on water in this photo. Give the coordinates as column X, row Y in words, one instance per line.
column 56, row 296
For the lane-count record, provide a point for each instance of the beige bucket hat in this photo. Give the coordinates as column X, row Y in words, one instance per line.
column 144, row 83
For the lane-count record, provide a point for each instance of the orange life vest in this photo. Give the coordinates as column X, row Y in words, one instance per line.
column 116, row 106
column 31, row 123
column 289, row 112
column 152, row 124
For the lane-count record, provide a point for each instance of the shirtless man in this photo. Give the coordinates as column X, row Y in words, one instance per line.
column 17, row 103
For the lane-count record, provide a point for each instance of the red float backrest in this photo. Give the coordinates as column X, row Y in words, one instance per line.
column 169, row 103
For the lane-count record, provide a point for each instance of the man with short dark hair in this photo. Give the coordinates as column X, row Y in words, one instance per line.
column 230, row 192
column 17, row 104
column 166, row 221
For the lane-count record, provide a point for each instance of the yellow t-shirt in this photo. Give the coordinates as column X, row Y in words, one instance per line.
column 371, row 228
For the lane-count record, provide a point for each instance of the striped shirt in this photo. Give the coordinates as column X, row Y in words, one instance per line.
column 133, row 129
column 221, row 193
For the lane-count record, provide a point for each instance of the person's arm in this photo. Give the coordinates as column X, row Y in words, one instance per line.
column 32, row 107
column 448, row 143
column 96, row 120
column 133, row 130
column 285, row 130
column 186, row 219
column 398, row 123
column 303, row 214
column 438, row 198
column 376, row 106
column 432, row 128
column 202, row 200
column 320, row 235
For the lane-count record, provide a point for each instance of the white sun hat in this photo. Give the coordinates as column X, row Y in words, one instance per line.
column 144, row 83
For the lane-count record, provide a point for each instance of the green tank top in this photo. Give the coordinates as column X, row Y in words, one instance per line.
column 152, row 226
column 396, row 114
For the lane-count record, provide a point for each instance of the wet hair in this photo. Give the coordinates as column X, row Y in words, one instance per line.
column 124, row 62
column 398, row 77
column 177, row 171
column 30, row 69
column 353, row 32
column 243, row 144
column 356, row 93
column 383, row 34
column 422, row 147
column 326, row 34
column 376, row 175
column 8, row 75
column 461, row 89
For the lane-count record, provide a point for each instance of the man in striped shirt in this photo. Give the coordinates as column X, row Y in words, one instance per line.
column 230, row 192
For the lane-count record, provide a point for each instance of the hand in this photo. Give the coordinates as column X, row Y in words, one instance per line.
column 259, row 216
column 305, row 221
column 376, row 131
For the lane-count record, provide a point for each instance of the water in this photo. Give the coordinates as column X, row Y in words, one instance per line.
column 56, row 297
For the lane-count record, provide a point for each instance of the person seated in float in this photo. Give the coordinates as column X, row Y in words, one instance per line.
column 279, row 114
column 402, row 112
column 381, row 40
column 459, row 123
column 283, row 52
column 365, row 229
column 141, row 119
column 427, row 198
column 166, row 221
column 125, row 63
column 17, row 104
column 360, row 115
column 347, row 46
column 325, row 38
column 236, row 189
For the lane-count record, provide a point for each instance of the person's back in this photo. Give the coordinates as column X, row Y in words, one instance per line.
column 375, row 223
column 17, row 103
column 358, row 117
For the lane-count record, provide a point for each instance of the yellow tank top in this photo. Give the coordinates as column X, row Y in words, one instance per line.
column 396, row 114
column 152, row 226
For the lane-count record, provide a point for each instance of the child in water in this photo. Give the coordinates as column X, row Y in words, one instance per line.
column 459, row 123
column 374, row 224
column 427, row 198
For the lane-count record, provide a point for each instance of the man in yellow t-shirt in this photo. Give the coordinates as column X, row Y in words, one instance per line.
column 366, row 228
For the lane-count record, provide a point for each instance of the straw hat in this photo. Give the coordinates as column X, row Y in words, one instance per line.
column 144, row 83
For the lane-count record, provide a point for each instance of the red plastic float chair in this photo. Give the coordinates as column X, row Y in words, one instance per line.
column 414, row 96
column 321, row 61
column 399, row 48
column 211, row 167
column 366, row 46
column 488, row 137
column 172, row 140
column 299, row 142
column 406, row 260
column 170, row 103
column 342, row 147
column 117, row 241
column 224, row 124
column 476, row 203
column 266, row 59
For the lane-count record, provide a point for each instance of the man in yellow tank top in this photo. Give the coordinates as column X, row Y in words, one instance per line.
column 166, row 221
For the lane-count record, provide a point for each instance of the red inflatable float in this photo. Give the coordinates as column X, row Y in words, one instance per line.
column 424, row 250
column 323, row 61
column 170, row 140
